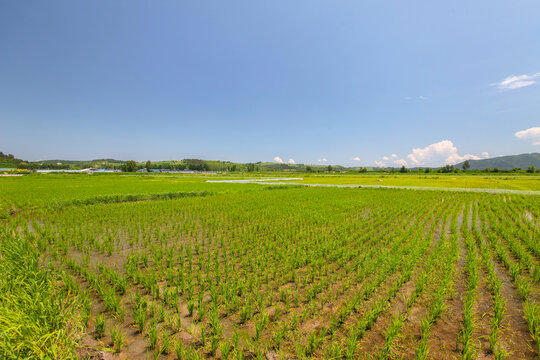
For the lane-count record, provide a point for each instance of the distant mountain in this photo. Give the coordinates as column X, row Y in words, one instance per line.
column 522, row 161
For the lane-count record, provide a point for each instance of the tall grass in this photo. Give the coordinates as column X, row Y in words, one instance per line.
column 36, row 319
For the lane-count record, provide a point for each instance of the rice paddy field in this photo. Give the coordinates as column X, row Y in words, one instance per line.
column 174, row 267
column 478, row 181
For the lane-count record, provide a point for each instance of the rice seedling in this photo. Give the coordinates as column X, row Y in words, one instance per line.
column 153, row 335
column 118, row 338
column 100, row 326
column 165, row 343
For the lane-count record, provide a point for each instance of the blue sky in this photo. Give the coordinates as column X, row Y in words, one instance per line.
column 263, row 81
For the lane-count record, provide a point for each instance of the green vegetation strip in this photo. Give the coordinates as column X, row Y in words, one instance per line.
column 118, row 198
column 36, row 318
column 495, row 191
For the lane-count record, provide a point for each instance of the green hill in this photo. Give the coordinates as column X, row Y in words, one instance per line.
column 9, row 161
column 522, row 161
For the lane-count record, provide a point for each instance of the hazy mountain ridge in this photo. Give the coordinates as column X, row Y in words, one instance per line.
column 508, row 162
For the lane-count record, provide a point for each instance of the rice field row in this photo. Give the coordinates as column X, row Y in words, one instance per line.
column 275, row 273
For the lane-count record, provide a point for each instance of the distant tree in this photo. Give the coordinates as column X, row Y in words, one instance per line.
column 427, row 170
column 329, row 168
column 130, row 166
column 309, row 168
column 495, row 170
column 466, row 165
column 362, row 170
column 403, row 169
column 447, row 169
column 530, row 169
column 29, row 166
column 233, row 168
column 196, row 164
column 148, row 165
column 250, row 167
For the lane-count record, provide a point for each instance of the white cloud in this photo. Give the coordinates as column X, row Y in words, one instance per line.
column 441, row 150
column 400, row 162
column 532, row 133
column 386, row 158
column 422, row 97
column 437, row 153
column 356, row 158
column 517, row 81
column 470, row 157
column 380, row 163
column 322, row 160
column 280, row 160
column 485, row 154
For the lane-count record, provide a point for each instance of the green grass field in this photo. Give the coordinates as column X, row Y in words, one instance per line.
column 173, row 267
column 18, row 193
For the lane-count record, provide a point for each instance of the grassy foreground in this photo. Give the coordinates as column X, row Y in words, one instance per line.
column 37, row 317
column 138, row 267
